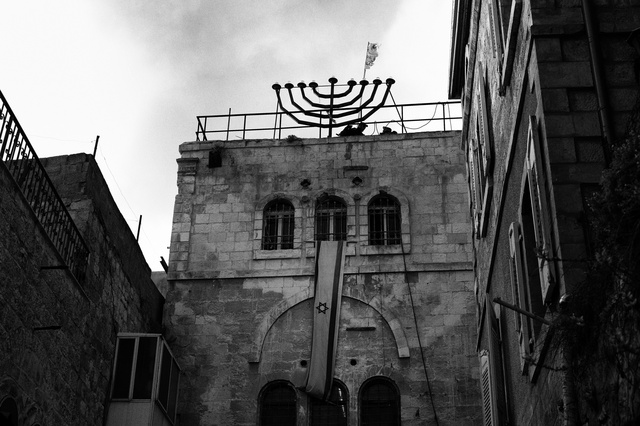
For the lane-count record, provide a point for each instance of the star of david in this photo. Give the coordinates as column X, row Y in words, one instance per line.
column 322, row 308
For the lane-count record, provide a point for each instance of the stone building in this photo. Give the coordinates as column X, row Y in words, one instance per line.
column 73, row 278
column 547, row 87
column 248, row 218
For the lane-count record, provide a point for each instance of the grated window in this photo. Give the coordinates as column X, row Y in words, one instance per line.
column 278, row 405
column 277, row 233
column 331, row 219
column 332, row 412
column 380, row 404
column 384, row 221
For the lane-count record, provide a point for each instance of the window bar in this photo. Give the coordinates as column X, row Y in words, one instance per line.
column 244, row 125
column 275, row 123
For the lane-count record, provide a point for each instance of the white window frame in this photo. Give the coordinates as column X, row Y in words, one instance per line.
column 540, row 207
column 504, row 37
column 519, row 293
column 492, row 371
column 258, row 228
column 480, row 161
column 161, row 349
column 330, row 215
column 365, row 249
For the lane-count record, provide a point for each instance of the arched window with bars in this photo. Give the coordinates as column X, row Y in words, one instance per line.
column 8, row 412
column 384, row 221
column 278, row 225
column 331, row 219
column 278, row 404
column 333, row 412
column 379, row 403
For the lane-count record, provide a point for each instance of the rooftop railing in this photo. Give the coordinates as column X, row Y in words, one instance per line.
column 24, row 166
column 406, row 118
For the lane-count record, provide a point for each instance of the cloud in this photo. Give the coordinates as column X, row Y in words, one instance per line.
column 137, row 72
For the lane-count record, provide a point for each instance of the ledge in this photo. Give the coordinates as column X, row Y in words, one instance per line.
column 277, row 254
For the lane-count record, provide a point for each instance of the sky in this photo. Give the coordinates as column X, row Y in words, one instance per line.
column 138, row 72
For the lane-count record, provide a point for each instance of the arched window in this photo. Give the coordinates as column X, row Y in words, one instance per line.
column 379, row 403
column 8, row 412
column 384, row 221
column 278, row 404
column 332, row 412
column 277, row 231
column 331, row 219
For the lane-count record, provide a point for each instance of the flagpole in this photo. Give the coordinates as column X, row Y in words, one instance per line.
column 366, row 54
column 364, row 72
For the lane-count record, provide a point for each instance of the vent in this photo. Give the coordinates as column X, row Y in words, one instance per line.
column 215, row 158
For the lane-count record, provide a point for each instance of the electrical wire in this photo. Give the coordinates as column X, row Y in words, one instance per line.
column 415, row 320
column 61, row 140
column 104, row 159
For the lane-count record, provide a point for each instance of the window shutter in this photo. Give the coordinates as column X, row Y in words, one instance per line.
column 484, row 134
column 540, row 208
column 496, row 31
column 484, row 154
column 485, row 378
column 519, row 289
column 496, row 369
column 474, row 175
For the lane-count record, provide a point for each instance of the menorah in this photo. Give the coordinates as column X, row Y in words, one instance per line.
column 329, row 114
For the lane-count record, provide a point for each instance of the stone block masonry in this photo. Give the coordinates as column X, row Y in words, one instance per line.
column 240, row 314
column 57, row 336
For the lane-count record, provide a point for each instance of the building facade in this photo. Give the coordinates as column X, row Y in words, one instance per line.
column 548, row 87
column 240, row 304
column 73, row 277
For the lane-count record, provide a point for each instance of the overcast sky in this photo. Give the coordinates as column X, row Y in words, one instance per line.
column 138, row 72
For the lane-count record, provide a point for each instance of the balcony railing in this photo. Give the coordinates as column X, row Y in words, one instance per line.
column 417, row 117
column 20, row 159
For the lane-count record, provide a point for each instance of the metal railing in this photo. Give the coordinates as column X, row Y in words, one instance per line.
column 22, row 163
column 434, row 116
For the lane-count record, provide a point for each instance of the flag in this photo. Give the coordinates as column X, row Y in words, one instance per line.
column 372, row 54
column 326, row 317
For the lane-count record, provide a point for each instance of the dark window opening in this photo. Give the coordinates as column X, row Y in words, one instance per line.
column 278, row 405
column 384, row 221
column 332, row 412
column 145, row 367
column 8, row 413
column 331, row 219
column 379, row 403
column 531, row 253
column 136, row 374
column 124, row 365
column 277, row 233
column 168, row 386
column 215, row 158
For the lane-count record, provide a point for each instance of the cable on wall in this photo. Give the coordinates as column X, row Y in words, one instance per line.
column 415, row 320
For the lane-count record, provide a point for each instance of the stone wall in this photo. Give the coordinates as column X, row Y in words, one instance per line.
column 61, row 375
column 240, row 317
column 550, row 77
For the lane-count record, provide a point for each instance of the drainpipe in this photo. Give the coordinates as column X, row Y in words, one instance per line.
column 568, row 383
column 598, row 81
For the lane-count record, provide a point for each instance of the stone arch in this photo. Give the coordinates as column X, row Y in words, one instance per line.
column 275, row 312
column 26, row 411
column 9, row 408
column 335, row 192
column 261, row 203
